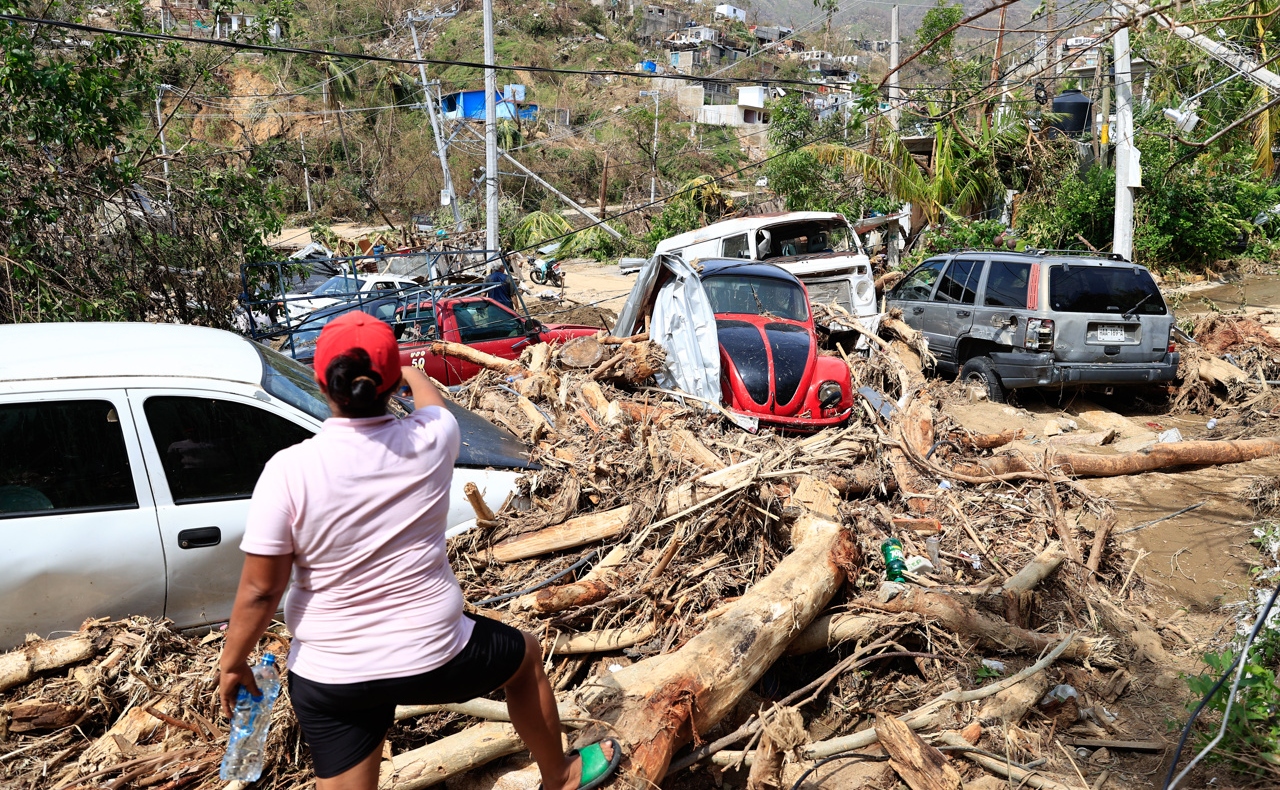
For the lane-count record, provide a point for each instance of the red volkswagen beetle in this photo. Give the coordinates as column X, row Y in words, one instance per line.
column 769, row 362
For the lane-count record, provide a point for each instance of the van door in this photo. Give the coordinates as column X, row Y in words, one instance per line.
column 205, row 451
column 951, row 312
column 79, row 521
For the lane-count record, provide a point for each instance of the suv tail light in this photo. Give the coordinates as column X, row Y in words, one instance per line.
column 1039, row 334
column 1172, row 345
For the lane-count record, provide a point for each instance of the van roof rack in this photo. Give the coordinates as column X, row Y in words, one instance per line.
column 1111, row 256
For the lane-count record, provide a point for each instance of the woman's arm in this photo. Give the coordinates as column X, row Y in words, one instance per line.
column 262, row 584
column 424, row 392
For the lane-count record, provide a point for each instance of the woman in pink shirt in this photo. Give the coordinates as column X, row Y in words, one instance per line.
column 357, row 516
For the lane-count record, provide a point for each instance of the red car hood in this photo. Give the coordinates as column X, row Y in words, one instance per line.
column 772, row 359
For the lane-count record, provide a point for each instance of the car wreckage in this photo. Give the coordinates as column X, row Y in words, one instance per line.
column 739, row 335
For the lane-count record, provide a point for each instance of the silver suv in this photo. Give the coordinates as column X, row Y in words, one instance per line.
column 1009, row 320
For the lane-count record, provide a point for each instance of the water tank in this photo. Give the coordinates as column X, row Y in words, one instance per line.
column 1075, row 109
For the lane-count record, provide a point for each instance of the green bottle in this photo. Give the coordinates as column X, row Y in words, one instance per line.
column 895, row 562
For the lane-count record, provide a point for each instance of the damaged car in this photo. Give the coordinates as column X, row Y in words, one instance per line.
column 739, row 335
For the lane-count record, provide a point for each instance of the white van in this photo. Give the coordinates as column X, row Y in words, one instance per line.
column 130, row 452
column 819, row 247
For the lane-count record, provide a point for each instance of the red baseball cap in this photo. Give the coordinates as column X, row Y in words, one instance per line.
column 359, row 330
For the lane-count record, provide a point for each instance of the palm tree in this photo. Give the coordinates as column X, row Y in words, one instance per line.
column 395, row 86
column 338, row 83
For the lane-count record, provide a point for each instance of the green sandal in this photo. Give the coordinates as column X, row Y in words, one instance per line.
column 596, row 770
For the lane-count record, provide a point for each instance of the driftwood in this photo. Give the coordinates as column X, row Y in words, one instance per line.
column 830, row 630
column 920, row 765
column 22, row 665
column 31, row 716
column 1018, row 776
column 1160, row 456
column 444, row 348
column 1012, row 704
column 449, row 756
column 657, row 705
column 603, row 641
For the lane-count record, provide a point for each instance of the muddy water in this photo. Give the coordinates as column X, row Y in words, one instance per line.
column 1254, row 290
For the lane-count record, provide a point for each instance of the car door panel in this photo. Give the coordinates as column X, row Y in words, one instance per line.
column 953, row 305
column 204, row 451
column 82, row 538
column 914, row 295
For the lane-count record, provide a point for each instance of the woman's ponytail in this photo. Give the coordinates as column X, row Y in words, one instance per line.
column 353, row 384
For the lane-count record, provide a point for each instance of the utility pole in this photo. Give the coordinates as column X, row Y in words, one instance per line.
column 490, row 134
column 604, row 185
column 1051, row 44
column 653, row 178
column 1128, row 174
column 895, row 114
column 306, row 177
column 164, row 149
column 442, row 149
column 995, row 63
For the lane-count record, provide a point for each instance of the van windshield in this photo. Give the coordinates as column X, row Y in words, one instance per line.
column 756, row 296
column 803, row 238
column 1104, row 289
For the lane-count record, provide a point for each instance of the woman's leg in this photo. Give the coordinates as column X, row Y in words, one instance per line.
column 532, row 705
column 361, row 776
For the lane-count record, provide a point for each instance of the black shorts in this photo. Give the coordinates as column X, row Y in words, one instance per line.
column 343, row 723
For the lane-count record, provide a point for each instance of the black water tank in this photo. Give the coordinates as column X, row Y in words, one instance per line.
column 1075, row 109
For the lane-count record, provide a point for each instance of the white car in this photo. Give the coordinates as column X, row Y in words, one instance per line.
column 342, row 287
column 130, row 452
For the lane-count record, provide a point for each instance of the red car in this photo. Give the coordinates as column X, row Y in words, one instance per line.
column 478, row 322
column 769, row 362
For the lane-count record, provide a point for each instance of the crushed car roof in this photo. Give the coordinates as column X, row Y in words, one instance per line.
column 709, row 267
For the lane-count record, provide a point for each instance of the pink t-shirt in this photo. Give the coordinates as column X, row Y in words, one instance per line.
column 363, row 507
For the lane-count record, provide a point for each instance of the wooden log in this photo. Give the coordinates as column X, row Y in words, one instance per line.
column 988, row 441
column 990, row 631
column 448, row 757
column 31, row 716
column 594, row 396
column 571, row 534
column 479, row 708
column 603, row 641
column 24, row 664
column 920, row 765
column 1012, row 704
column 683, row 444
column 483, row 513
column 1036, row 571
column 916, row 430
column 1091, row 439
column 656, row 706
column 1160, row 456
column 582, row 352
column 860, row 480
column 570, row 596
column 1018, row 776
column 1219, row 371
column 829, row 630
column 444, row 348
column 783, row 731
column 639, row 412
column 539, row 358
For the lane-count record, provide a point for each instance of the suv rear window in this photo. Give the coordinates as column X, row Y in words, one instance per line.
column 1104, row 289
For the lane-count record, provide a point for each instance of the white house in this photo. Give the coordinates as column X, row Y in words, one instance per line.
column 749, row 111
column 731, row 12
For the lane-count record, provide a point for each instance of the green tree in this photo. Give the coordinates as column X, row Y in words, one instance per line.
column 942, row 17
column 89, row 227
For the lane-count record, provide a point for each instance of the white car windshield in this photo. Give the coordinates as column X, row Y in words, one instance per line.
column 337, row 286
column 292, row 382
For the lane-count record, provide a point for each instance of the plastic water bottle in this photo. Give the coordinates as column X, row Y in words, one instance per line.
column 249, row 723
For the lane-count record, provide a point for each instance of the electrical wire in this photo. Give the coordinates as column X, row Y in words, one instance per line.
column 1237, row 664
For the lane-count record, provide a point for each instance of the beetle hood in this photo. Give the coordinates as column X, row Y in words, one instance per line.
column 770, row 358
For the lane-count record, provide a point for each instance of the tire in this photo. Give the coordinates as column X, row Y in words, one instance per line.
column 537, row 276
column 980, row 370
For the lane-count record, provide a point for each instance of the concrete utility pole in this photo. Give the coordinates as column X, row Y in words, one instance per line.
column 164, row 149
column 442, row 148
column 1128, row 173
column 490, row 134
column 306, row 177
column 895, row 114
column 653, row 178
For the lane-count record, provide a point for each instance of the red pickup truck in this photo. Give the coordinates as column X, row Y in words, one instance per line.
column 478, row 322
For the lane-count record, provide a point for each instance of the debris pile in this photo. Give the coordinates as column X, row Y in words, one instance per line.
column 1234, row 361
column 917, row 599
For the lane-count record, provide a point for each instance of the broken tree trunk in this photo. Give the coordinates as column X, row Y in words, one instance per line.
column 444, row 348
column 991, row 631
column 920, row 765
column 449, row 756
column 655, row 706
column 1160, row 456
column 21, row 665
column 830, row 630
column 916, row 430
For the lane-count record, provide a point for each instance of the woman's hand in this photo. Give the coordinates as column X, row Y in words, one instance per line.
column 424, row 392
column 230, row 679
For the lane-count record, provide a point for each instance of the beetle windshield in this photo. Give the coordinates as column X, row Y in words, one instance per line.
column 337, row 286
column 1104, row 289
column 733, row 293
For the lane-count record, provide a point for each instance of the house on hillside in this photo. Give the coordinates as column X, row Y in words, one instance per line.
column 654, row 22
column 689, row 59
column 749, row 111
column 731, row 12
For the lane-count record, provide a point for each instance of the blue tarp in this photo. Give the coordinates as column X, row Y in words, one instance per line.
column 470, row 104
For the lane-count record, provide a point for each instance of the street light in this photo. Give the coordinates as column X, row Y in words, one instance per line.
column 653, row 179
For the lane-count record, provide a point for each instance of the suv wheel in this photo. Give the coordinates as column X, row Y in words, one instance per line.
column 980, row 371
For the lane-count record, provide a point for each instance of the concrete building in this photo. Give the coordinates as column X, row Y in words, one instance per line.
column 731, row 12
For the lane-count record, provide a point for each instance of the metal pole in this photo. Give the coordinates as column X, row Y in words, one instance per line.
column 490, row 133
column 1127, row 173
column 164, row 149
column 442, row 149
column 306, row 177
column 895, row 115
column 653, row 178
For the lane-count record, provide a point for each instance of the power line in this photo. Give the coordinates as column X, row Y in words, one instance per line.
column 250, row 47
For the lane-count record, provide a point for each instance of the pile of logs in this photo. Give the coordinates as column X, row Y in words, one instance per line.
column 716, row 600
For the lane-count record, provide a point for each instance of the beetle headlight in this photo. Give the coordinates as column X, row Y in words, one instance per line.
column 829, row 394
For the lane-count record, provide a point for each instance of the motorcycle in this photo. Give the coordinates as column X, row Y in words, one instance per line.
column 546, row 271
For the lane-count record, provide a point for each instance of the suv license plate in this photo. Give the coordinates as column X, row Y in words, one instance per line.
column 1111, row 334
